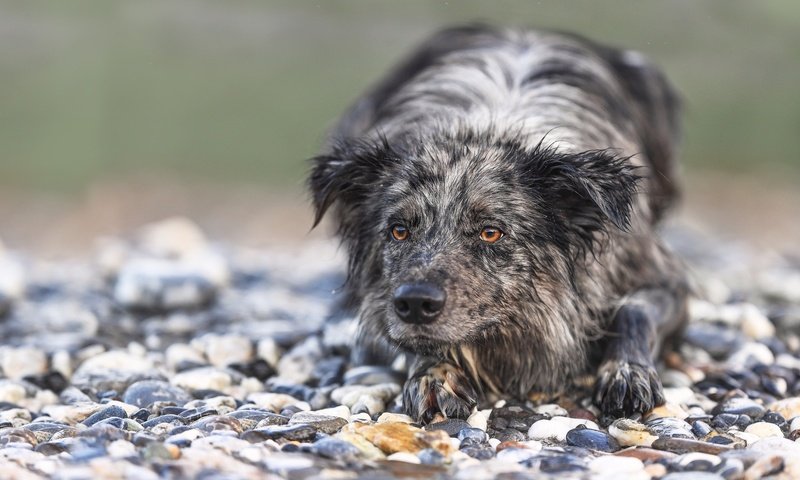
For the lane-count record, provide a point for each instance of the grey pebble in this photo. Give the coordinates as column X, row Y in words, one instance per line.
column 146, row 392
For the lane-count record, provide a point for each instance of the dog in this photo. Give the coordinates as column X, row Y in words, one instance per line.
column 497, row 194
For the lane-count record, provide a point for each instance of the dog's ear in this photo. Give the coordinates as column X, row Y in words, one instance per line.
column 590, row 191
column 657, row 112
column 346, row 174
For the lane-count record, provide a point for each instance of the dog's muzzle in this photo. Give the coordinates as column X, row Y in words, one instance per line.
column 419, row 303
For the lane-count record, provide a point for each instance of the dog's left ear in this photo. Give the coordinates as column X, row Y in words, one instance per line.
column 345, row 175
column 590, row 191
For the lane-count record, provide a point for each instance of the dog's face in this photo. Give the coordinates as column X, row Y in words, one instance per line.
column 453, row 237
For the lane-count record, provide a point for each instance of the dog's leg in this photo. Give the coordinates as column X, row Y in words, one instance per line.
column 627, row 381
column 436, row 387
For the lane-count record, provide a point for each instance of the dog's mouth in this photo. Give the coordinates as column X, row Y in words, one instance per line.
column 420, row 339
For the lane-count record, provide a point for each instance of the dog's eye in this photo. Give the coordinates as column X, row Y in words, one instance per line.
column 399, row 233
column 491, row 234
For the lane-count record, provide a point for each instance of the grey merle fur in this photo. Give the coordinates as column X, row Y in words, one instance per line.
column 566, row 146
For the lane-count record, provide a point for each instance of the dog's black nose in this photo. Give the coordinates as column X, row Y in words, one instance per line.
column 418, row 303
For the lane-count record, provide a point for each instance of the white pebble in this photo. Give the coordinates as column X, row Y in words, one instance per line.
column 19, row 362
column 479, row 420
column 611, row 464
column 551, row 409
column 764, row 430
column 341, row 411
column 405, row 457
column 388, row 417
column 755, row 324
column 556, row 428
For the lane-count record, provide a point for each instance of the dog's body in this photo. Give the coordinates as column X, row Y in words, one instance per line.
column 497, row 194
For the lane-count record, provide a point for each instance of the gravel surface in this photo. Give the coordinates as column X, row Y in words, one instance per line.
column 166, row 356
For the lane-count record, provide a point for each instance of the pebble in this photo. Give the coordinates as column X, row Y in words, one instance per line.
column 148, row 392
column 789, row 408
column 324, row 423
column 556, row 428
column 245, row 381
column 162, row 284
column 592, row 439
column 619, row 467
column 764, row 429
column 203, row 378
column 631, row 433
column 740, row 406
column 19, row 362
column 388, row 417
column 450, row 426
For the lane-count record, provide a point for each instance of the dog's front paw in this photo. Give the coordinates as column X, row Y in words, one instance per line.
column 441, row 389
column 625, row 388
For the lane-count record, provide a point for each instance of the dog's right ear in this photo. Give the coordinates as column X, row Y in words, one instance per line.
column 346, row 174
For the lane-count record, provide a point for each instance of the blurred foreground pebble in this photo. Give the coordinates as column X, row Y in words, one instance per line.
column 168, row 356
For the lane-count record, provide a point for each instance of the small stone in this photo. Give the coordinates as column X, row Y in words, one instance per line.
column 388, row 417
column 269, row 350
column 556, row 428
column 148, row 392
column 203, row 378
column 668, row 410
column 764, row 430
column 223, row 350
column 451, row 426
column 341, row 411
column 324, row 423
column 336, row 449
column 740, row 406
column 479, row 419
column 474, row 434
column 401, row 437
column 515, row 455
column 631, row 433
column 696, row 461
column 429, row 456
column 163, row 284
column 404, row 457
column 298, row 433
column 755, row 324
column 109, row 412
column 685, row 445
column 750, row 355
column 551, row 409
column 19, row 362
column 611, row 466
column 669, row 427
column 592, row 440
column 789, row 408
column 776, row 446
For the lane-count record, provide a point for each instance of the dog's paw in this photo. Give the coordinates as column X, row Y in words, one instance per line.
column 625, row 388
column 440, row 390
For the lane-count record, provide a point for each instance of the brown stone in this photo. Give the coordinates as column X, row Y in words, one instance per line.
column 510, row 444
column 395, row 437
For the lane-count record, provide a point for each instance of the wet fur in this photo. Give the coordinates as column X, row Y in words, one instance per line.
column 569, row 148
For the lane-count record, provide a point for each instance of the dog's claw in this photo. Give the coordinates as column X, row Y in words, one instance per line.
column 439, row 390
column 625, row 388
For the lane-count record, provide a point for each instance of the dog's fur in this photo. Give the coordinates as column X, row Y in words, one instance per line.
column 565, row 145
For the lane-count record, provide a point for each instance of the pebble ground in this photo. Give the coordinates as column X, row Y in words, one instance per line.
column 167, row 356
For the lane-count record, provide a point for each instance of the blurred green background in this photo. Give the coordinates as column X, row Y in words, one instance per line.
column 241, row 91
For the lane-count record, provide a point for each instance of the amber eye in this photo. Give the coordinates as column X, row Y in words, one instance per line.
column 491, row 234
column 399, row 232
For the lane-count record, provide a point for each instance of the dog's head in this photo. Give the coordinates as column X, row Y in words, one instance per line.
column 450, row 236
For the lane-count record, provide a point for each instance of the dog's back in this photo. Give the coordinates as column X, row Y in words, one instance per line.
column 534, row 85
